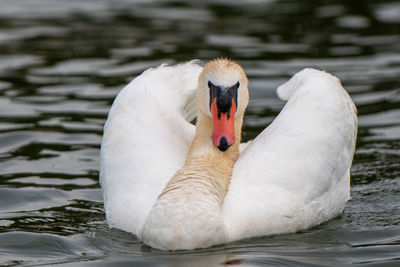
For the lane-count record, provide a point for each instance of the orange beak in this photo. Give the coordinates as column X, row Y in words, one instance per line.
column 223, row 133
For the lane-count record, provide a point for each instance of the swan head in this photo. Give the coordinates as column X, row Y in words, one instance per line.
column 223, row 97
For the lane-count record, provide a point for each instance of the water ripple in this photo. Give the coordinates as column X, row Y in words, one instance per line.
column 63, row 62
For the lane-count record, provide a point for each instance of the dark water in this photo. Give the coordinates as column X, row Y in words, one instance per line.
column 63, row 61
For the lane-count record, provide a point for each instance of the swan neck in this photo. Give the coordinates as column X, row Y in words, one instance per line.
column 206, row 164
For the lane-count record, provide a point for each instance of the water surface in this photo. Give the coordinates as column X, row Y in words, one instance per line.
column 62, row 63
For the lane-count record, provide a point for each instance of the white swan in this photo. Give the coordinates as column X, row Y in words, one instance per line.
column 177, row 187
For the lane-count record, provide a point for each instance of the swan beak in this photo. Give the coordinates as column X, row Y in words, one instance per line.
column 223, row 133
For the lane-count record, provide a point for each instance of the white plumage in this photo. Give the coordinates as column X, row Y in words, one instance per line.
column 294, row 175
column 145, row 141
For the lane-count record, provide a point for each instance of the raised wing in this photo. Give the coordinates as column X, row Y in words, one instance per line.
column 146, row 139
column 295, row 174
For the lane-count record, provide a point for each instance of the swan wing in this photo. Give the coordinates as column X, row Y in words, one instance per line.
column 296, row 173
column 146, row 139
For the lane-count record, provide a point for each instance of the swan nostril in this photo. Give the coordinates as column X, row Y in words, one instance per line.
column 223, row 144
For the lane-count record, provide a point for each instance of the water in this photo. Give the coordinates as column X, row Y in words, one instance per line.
column 62, row 63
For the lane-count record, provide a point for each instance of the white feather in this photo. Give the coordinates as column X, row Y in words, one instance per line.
column 146, row 139
column 295, row 174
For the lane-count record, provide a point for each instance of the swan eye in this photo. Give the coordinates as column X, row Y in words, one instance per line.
column 210, row 85
column 224, row 96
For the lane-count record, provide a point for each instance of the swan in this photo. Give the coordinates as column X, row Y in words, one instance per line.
column 179, row 186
